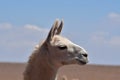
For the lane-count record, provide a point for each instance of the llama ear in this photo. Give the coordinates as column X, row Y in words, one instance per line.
column 59, row 29
column 53, row 30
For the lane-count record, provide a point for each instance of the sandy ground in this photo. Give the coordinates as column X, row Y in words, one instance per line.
column 14, row 71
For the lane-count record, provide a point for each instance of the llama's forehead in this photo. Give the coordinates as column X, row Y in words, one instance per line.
column 57, row 39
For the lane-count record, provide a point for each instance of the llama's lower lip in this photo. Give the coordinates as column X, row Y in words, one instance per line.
column 82, row 61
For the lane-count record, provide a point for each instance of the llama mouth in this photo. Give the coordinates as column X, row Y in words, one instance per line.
column 81, row 61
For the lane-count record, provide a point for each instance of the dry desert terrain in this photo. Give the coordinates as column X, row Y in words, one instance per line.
column 14, row 71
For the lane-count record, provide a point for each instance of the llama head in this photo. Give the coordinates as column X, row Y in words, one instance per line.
column 61, row 50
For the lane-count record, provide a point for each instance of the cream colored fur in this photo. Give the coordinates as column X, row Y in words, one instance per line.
column 53, row 53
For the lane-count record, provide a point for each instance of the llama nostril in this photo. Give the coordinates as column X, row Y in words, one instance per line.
column 85, row 55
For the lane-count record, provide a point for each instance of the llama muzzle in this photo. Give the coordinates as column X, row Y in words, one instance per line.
column 82, row 58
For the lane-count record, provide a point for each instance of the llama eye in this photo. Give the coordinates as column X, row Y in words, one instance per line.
column 62, row 47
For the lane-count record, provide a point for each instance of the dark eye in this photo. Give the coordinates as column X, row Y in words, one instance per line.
column 62, row 47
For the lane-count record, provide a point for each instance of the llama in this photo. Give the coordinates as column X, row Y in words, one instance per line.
column 53, row 53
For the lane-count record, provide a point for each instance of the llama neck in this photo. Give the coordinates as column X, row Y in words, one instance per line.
column 41, row 68
column 45, row 71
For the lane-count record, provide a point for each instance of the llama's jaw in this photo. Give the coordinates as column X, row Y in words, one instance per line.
column 82, row 61
column 76, row 60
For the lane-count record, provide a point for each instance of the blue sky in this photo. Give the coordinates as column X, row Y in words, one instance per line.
column 93, row 24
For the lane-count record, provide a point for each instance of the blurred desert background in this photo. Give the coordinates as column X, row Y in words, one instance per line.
column 14, row 71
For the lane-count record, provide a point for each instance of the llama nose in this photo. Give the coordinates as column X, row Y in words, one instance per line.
column 85, row 55
column 82, row 55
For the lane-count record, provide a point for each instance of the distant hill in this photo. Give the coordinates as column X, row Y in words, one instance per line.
column 14, row 71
